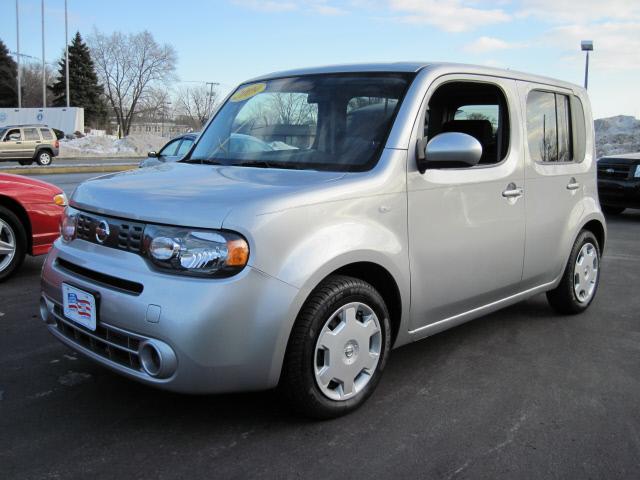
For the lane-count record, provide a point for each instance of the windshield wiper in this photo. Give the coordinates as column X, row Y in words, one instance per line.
column 267, row 164
column 201, row 161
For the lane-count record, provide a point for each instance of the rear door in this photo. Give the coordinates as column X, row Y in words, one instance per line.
column 554, row 178
column 31, row 142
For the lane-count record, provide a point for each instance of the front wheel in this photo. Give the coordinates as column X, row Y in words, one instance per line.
column 25, row 162
column 13, row 243
column 338, row 348
column 44, row 158
column 581, row 276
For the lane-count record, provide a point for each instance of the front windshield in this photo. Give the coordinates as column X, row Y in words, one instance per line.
column 320, row 122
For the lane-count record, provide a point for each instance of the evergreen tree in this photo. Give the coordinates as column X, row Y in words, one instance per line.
column 8, row 78
column 84, row 89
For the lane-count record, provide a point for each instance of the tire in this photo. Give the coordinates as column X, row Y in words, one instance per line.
column 12, row 235
column 329, row 313
column 44, row 158
column 609, row 210
column 25, row 162
column 567, row 297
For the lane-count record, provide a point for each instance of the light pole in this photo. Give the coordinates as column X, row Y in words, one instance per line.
column 586, row 46
column 44, row 70
column 18, row 55
column 66, row 52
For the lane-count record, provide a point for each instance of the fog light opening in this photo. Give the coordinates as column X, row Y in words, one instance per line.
column 44, row 310
column 150, row 359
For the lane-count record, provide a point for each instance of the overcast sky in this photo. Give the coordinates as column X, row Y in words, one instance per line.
column 228, row 41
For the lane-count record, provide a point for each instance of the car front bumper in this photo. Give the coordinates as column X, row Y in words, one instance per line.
column 217, row 335
column 620, row 193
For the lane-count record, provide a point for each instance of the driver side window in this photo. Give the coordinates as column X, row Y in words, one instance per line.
column 476, row 109
column 170, row 149
column 14, row 132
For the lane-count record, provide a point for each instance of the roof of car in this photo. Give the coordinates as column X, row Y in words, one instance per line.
column 414, row 67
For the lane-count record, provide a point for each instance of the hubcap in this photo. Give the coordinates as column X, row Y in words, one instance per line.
column 7, row 245
column 45, row 158
column 347, row 351
column 585, row 273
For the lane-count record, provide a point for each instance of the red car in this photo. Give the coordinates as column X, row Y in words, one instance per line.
column 30, row 212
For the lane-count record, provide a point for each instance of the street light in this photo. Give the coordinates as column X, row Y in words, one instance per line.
column 586, row 46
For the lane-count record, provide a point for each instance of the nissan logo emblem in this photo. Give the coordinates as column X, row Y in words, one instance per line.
column 102, row 231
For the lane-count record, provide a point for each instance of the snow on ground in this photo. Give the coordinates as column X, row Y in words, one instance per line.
column 620, row 134
column 110, row 146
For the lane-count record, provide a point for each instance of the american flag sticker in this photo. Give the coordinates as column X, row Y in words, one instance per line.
column 79, row 306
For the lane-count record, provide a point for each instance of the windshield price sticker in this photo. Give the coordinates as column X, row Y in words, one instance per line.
column 247, row 92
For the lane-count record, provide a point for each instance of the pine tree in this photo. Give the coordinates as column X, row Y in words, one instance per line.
column 8, row 78
column 84, row 89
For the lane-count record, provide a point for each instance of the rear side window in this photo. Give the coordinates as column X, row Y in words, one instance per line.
column 46, row 134
column 31, row 134
column 549, row 127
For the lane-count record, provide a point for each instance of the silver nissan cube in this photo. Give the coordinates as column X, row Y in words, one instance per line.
column 325, row 216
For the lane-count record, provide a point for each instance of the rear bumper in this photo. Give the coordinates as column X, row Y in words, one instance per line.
column 223, row 334
column 619, row 193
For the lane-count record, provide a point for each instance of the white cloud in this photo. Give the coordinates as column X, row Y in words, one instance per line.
column 448, row 15
column 322, row 7
column 489, row 44
column 579, row 11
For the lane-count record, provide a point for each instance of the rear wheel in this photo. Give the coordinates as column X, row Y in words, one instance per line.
column 44, row 158
column 579, row 283
column 13, row 243
column 337, row 350
column 609, row 210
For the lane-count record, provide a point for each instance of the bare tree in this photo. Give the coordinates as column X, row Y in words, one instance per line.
column 128, row 66
column 197, row 104
column 32, row 85
column 154, row 104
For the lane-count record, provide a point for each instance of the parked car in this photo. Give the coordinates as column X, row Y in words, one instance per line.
column 30, row 212
column 177, row 148
column 619, row 182
column 302, row 267
column 173, row 151
column 29, row 143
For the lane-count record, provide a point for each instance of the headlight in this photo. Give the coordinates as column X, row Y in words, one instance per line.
column 60, row 200
column 206, row 253
column 68, row 224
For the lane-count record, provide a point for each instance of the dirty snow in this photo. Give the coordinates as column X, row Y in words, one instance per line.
column 110, row 146
column 615, row 135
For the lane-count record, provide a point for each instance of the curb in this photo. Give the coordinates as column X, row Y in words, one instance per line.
column 52, row 170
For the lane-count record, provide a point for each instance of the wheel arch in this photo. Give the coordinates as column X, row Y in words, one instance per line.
column 597, row 228
column 17, row 208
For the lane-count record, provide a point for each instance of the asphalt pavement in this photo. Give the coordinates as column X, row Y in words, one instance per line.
column 523, row 393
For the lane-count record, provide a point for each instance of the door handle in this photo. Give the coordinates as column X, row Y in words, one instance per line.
column 18, row 143
column 573, row 184
column 512, row 191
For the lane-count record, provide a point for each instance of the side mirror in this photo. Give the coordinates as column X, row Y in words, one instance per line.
column 449, row 150
column 152, row 154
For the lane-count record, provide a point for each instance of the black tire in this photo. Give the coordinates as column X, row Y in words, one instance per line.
column 25, row 162
column 609, row 210
column 17, row 231
column 44, row 158
column 298, row 384
column 564, row 298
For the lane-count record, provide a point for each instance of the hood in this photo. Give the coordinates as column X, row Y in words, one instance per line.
column 191, row 195
column 7, row 178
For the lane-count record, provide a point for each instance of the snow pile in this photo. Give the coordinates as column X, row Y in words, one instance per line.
column 615, row 135
column 110, row 146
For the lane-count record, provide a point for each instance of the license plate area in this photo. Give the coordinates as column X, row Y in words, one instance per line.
column 79, row 306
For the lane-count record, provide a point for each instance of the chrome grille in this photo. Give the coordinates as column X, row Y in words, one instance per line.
column 124, row 235
column 109, row 342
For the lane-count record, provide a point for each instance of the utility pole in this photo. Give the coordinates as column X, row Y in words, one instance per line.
column 210, row 97
column 66, row 51
column 586, row 46
column 44, row 71
column 18, row 55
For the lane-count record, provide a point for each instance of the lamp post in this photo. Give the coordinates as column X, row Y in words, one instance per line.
column 586, row 46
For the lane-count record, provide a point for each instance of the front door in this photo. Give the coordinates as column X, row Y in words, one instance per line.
column 467, row 225
column 11, row 145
